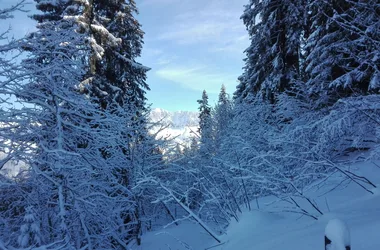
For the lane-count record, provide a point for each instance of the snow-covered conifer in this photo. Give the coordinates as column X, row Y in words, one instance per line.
column 30, row 234
column 115, row 36
column 205, row 125
column 64, row 135
column 222, row 116
column 119, row 82
column 272, row 61
column 343, row 49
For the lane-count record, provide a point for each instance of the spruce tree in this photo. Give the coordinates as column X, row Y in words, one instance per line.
column 343, row 49
column 205, row 125
column 115, row 38
column 272, row 62
column 119, row 83
column 66, row 132
column 30, row 234
column 52, row 10
column 85, row 119
column 124, row 77
column 222, row 116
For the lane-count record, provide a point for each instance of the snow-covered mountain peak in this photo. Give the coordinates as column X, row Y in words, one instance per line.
column 176, row 119
column 179, row 124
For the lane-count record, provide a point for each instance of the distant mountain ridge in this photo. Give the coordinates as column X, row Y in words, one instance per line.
column 180, row 125
column 175, row 119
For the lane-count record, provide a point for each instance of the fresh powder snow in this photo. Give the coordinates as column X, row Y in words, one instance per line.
column 272, row 229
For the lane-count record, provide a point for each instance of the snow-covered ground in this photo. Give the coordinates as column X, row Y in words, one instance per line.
column 263, row 230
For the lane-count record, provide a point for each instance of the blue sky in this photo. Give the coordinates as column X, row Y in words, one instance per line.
column 190, row 45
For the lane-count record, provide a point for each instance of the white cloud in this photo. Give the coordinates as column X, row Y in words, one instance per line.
column 165, row 60
column 237, row 45
column 158, row 57
column 152, row 51
column 191, row 34
column 203, row 43
column 215, row 24
column 156, row 2
column 198, row 77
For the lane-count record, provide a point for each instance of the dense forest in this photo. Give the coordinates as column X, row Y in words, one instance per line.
column 74, row 113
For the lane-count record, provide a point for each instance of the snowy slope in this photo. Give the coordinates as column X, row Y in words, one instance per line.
column 259, row 230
